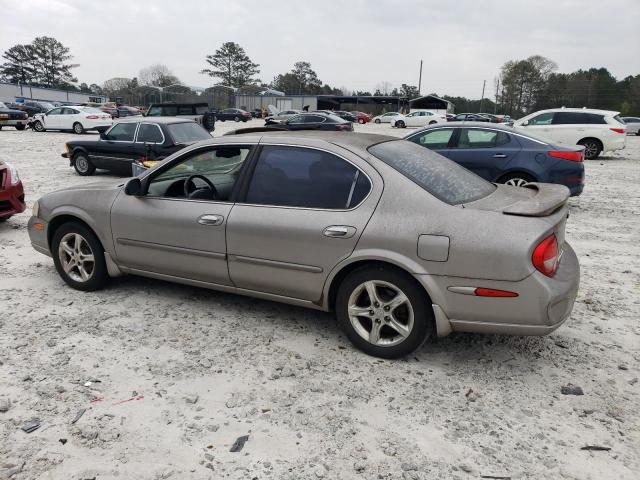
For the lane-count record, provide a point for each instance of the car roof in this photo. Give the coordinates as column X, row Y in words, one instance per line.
column 197, row 104
column 582, row 110
column 164, row 120
column 347, row 140
column 494, row 126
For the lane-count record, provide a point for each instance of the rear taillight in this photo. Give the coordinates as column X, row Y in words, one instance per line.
column 618, row 130
column 545, row 256
column 568, row 155
column 93, row 117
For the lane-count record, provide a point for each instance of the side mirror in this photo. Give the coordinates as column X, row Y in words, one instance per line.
column 525, row 123
column 133, row 187
column 103, row 135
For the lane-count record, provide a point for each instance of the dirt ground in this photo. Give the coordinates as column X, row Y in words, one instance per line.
column 168, row 376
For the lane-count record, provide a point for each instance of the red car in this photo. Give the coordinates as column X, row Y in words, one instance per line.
column 11, row 192
column 362, row 117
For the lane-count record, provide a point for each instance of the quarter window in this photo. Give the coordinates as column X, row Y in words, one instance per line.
column 122, row 132
column 434, row 139
column 308, row 178
column 149, row 133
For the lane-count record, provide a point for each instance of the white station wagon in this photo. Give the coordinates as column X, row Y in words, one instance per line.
column 597, row 130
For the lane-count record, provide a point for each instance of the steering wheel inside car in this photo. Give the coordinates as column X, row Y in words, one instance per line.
column 192, row 191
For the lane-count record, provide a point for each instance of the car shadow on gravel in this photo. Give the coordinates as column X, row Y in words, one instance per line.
column 458, row 348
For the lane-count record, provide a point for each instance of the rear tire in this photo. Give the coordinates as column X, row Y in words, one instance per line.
column 78, row 128
column 516, row 179
column 38, row 127
column 592, row 148
column 80, row 260
column 402, row 319
column 377, row 120
column 83, row 165
column 400, row 124
column 236, row 119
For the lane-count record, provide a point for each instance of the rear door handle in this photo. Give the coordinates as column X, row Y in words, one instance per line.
column 499, row 155
column 339, row 231
column 211, row 220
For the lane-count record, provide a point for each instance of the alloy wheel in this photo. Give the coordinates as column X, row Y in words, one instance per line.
column 590, row 149
column 76, row 257
column 516, row 182
column 82, row 164
column 38, row 127
column 380, row 313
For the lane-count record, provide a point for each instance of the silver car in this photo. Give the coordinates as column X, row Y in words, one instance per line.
column 633, row 125
column 400, row 242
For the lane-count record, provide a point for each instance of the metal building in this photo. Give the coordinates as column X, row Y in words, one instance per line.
column 431, row 103
column 15, row 93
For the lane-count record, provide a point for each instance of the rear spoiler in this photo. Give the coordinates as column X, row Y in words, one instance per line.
column 548, row 198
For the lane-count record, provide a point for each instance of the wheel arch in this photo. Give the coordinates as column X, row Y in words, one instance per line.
column 515, row 171
column 76, row 216
column 441, row 322
column 75, row 151
column 591, row 138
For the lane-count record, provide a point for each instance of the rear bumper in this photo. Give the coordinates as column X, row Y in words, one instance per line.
column 542, row 304
column 12, row 200
column 615, row 143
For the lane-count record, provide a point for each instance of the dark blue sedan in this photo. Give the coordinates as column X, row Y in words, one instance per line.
column 501, row 155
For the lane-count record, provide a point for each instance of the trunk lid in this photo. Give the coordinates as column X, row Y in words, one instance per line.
column 534, row 200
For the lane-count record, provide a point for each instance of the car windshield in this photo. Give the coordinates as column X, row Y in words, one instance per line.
column 187, row 132
column 441, row 177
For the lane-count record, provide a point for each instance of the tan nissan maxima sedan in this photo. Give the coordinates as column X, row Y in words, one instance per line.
column 399, row 241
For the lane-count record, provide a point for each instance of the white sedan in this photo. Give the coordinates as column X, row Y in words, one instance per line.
column 418, row 119
column 385, row 117
column 75, row 118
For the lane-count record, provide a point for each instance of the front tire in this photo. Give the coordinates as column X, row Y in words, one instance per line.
column 236, row 119
column 79, row 257
column 38, row 126
column 78, row 128
column 377, row 120
column 384, row 312
column 592, row 148
column 83, row 165
column 361, row 121
column 20, row 127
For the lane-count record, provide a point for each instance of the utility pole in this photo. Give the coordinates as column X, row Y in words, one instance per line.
column 484, row 84
column 495, row 105
column 420, row 79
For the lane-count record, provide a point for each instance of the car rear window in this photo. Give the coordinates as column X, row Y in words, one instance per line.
column 441, row 177
column 187, row 132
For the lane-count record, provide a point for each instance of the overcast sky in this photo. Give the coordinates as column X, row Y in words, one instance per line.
column 351, row 43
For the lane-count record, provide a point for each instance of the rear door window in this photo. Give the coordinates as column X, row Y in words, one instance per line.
column 185, row 110
column 480, row 138
column 307, row 178
column 441, row 177
column 314, row 119
column 570, row 118
column 149, row 133
column 434, row 139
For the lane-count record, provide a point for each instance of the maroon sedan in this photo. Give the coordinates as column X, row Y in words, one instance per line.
column 362, row 117
column 11, row 192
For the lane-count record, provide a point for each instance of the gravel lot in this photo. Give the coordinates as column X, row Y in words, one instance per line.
column 202, row 368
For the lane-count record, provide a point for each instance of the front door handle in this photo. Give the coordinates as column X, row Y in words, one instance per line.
column 211, row 220
column 499, row 155
column 339, row 231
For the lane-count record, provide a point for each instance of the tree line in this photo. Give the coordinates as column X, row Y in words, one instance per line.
column 521, row 87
